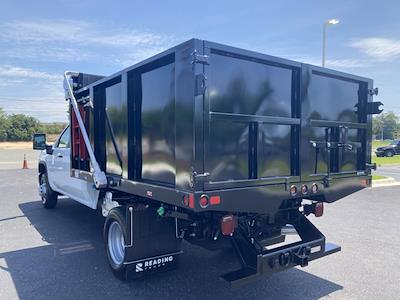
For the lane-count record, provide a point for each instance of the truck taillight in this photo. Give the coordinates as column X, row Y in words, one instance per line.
column 319, row 209
column 215, row 200
column 185, row 200
column 316, row 208
column 203, row 201
column 228, row 225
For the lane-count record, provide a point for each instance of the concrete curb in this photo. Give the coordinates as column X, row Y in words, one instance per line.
column 385, row 182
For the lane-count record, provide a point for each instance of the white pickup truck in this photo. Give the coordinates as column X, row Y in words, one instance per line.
column 55, row 175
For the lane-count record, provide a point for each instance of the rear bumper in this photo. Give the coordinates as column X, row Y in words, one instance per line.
column 255, row 263
column 283, row 259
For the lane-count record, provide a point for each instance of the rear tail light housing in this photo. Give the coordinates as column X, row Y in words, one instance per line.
column 228, row 224
column 185, row 200
column 316, row 208
column 319, row 209
column 215, row 200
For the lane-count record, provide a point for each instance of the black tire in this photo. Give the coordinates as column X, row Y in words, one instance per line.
column 389, row 153
column 49, row 197
column 116, row 217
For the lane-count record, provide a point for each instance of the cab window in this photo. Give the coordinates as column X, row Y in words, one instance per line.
column 64, row 141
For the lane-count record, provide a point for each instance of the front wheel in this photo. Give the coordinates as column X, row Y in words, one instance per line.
column 49, row 197
column 389, row 153
column 114, row 238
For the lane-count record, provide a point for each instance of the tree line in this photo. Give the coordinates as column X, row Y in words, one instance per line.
column 386, row 126
column 20, row 127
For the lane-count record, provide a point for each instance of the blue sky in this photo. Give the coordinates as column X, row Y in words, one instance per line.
column 39, row 40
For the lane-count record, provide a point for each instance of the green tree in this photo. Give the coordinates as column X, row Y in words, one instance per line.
column 3, row 125
column 21, row 127
column 385, row 125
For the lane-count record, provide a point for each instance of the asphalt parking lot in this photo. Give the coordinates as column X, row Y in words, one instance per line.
column 58, row 254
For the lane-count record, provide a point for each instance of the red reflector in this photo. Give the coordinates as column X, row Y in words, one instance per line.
column 191, row 200
column 203, row 201
column 215, row 200
column 185, row 200
column 319, row 209
column 228, row 224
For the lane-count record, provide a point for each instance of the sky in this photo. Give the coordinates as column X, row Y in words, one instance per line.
column 39, row 40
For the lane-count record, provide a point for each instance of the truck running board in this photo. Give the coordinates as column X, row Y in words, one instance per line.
column 254, row 264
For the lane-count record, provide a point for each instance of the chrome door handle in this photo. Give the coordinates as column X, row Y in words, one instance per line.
column 59, row 155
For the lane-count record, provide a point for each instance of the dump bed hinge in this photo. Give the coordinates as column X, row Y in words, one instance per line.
column 200, row 87
column 200, row 59
column 370, row 166
column 373, row 92
column 196, row 177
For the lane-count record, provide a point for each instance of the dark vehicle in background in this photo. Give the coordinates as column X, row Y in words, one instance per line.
column 390, row 150
column 215, row 145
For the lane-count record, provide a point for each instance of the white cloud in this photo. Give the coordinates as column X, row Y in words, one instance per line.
column 78, row 32
column 340, row 63
column 69, row 42
column 383, row 49
column 58, row 40
column 32, row 92
column 9, row 71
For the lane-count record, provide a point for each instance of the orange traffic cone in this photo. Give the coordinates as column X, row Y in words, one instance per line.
column 25, row 164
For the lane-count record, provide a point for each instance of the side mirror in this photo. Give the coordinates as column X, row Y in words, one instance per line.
column 39, row 141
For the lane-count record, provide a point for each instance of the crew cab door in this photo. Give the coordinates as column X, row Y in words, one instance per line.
column 60, row 172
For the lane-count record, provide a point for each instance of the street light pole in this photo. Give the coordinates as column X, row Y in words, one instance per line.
column 326, row 24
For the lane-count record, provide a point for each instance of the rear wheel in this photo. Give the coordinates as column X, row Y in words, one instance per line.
column 114, row 238
column 389, row 153
column 49, row 197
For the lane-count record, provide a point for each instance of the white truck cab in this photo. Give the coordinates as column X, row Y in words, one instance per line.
column 55, row 173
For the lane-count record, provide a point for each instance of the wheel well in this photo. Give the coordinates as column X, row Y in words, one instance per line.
column 42, row 170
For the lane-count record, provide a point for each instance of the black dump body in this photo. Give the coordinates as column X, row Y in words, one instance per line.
column 250, row 134
column 205, row 118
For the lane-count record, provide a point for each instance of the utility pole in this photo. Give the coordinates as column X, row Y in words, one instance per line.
column 326, row 24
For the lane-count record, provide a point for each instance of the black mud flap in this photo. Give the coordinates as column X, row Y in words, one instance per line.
column 152, row 244
column 312, row 246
